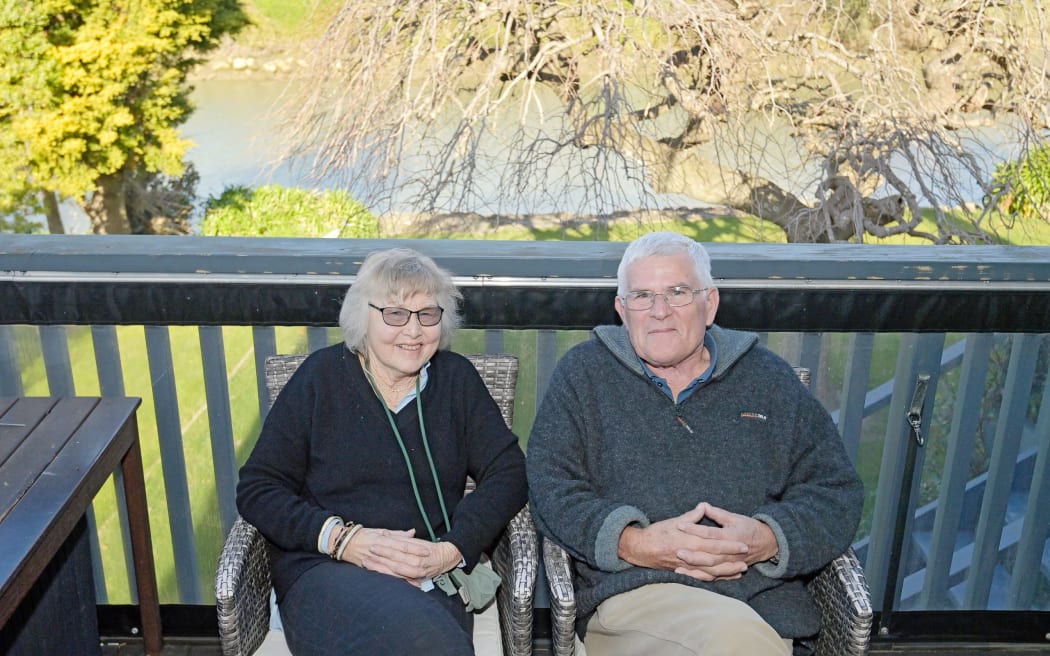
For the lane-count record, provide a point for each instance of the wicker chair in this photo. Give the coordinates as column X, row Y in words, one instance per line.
column 242, row 581
column 840, row 590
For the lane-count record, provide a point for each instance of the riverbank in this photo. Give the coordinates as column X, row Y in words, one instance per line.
column 234, row 60
column 276, row 44
column 707, row 224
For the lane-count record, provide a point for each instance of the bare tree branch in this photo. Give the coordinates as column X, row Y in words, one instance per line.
column 830, row 123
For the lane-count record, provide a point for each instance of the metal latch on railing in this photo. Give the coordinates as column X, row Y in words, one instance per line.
column 914, row 418
column 918, row 400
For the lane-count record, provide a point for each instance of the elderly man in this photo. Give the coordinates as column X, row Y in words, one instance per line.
column 692, row 477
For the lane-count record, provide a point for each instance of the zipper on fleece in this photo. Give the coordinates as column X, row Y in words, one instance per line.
column 680, row 419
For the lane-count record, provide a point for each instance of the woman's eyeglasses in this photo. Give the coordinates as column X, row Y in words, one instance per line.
column 397, row 316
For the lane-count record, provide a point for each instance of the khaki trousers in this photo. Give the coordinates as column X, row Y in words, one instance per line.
column 670, row 619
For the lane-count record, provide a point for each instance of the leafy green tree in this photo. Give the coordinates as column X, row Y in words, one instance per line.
column 20, row 220
column 835, row 121
column 93, row 93
column 276, row 211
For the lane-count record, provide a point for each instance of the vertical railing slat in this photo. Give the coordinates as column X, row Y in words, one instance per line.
column 546, row 359
column 1009, row 427
column 220, row 422
column 264, row 339
column 1037, row 515
column 173, row 463
column 316, row 338
column 966, row 415
column 107, row 360
column 10, row 371
column 854, row 391
column 919, row 354
column 54, row 344
column 111, row 383
column 791, row 348
column 809, row 357
column 494, row 341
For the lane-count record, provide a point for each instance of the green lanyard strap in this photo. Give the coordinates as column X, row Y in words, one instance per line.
column 408, row 463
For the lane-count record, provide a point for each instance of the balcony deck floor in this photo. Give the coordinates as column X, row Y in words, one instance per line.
column 210, row 647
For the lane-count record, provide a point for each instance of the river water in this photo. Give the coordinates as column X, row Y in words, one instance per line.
column 232, row 129
column 236, row 132
column 235, row 129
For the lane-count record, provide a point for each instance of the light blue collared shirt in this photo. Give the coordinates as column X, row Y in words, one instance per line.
column 712, row 350
column 411, row 395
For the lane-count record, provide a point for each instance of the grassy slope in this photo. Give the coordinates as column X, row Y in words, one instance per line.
column 285, row 22
column 736, row 230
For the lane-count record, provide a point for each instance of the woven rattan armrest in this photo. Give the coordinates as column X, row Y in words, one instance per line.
column 558, row 567
column 842, row 593
column 517, row 560
column 242, row 590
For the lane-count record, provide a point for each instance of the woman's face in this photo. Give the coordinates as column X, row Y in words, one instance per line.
column 401, row 351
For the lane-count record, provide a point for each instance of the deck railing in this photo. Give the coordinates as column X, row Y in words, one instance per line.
column 186, row 323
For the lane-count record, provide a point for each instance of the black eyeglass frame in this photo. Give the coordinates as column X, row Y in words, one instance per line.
column 408, row 317
column 665, row 293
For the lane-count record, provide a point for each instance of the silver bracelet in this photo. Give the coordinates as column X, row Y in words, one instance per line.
column 326, row 529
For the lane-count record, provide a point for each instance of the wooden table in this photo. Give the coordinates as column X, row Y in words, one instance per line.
column 55, row 455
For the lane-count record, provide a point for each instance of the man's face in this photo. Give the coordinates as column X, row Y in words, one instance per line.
column 665, row 336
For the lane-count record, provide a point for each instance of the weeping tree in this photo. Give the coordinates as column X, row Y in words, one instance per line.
column 94, row 92
column 835, row 121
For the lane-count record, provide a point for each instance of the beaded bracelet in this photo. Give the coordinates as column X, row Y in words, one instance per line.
column 344, row 540
column 339, row 540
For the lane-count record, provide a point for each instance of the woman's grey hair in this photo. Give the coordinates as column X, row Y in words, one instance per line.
column 664, row 243
column 394, row 276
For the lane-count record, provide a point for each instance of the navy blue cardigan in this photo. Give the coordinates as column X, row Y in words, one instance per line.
column 327, row 448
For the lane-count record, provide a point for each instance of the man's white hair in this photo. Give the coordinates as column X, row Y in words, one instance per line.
column 664, row 243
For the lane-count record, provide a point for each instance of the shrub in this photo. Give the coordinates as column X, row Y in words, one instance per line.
column 1025, row 185
column 276, row 211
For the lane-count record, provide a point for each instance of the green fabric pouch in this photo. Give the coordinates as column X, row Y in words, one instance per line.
column 478, row 588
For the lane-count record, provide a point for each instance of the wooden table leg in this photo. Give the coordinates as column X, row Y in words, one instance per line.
column 142, row 549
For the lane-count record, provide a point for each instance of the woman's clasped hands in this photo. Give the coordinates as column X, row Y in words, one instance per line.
column 401, row 554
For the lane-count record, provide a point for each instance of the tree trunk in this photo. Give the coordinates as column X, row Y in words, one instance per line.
column 53, row 213
column 106, row 208
column 685, row 172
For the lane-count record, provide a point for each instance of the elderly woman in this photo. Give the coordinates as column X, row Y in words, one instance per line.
column 357, row 478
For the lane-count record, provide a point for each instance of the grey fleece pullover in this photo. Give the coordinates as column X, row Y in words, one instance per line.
column 609, row 449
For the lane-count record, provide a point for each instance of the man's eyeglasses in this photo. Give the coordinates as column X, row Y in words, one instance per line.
column 396, row 316
column 643, row 299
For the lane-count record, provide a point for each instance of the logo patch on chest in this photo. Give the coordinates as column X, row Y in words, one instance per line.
column 757, row 416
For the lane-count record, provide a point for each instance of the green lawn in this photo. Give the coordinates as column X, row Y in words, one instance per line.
column 244, row 408
column 196, row 435
column 719, row 229
column 281, row 20
column 196, row 438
